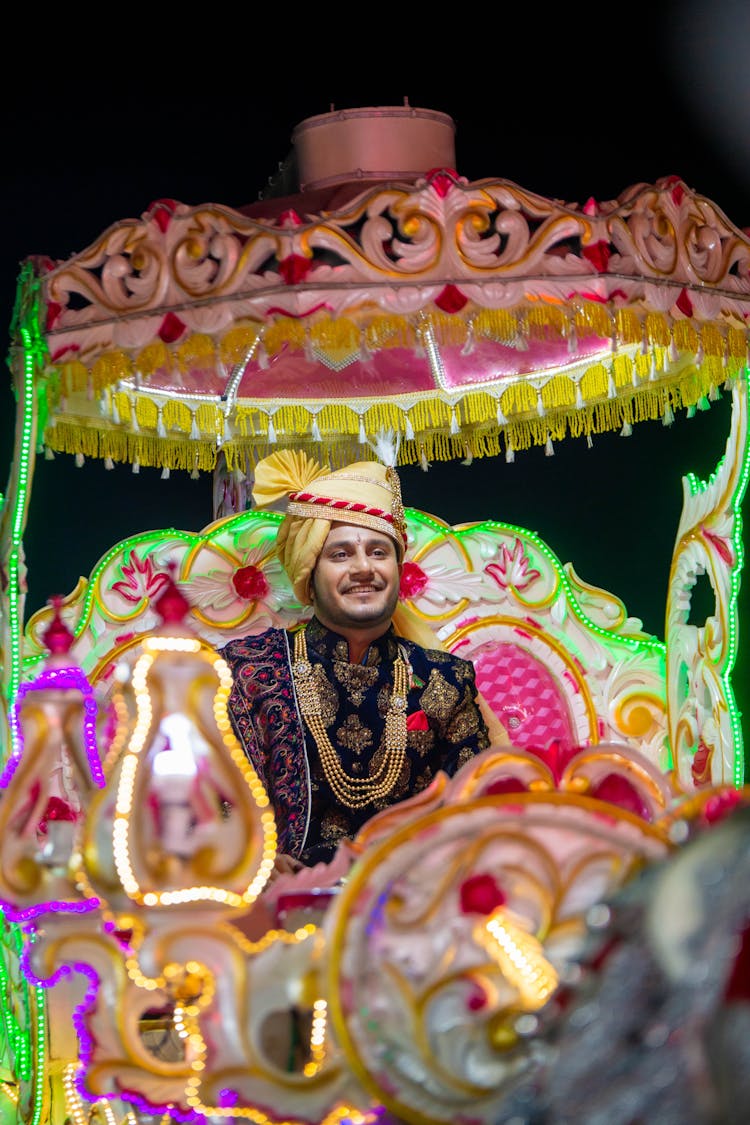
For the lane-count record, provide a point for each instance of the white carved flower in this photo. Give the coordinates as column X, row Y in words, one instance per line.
column 256, row 577
column 439, row 585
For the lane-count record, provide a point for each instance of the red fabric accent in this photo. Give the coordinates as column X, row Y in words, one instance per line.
column 417, row 721
column 340, row 505
column 451, row 299
column 302, row 900
column 171, row 328
column 481, row 894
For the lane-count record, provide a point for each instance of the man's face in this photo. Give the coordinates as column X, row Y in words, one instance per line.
column 356, row 579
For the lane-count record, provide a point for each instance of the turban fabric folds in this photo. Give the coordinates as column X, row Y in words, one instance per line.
column 366, row 493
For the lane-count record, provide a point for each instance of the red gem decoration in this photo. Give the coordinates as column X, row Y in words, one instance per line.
column 505, row 785
column 294, row 269
column 441, row 180
column 598, row 254
column 413, row 580
column 701, row 765
column 161, row 211
column 289, row 218
column 54, row 308
column 57, row 809
column 721, row 805
column 451, row 299
column 738, row 984
column 476, row 1001
column 684, row 304
column 250, row 583
column 481, row 894
column 171, row 605
column 171, row 328
column 57, row 637
column 619, row 791
column 678, row 189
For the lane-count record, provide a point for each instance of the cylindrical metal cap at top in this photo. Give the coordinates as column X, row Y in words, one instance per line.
column 379, row 143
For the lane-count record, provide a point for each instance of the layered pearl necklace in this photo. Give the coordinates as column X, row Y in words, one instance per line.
column 354, row 792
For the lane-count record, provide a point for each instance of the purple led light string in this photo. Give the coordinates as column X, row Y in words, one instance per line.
column 54, row 906
column 86, row 1041
column 62, row 678
column 144, row 1106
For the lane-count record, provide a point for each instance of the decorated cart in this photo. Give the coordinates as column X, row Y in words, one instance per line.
column 428, row 974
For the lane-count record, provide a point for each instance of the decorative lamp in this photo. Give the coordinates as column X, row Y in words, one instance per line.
column 184, row 818
column 48, row 780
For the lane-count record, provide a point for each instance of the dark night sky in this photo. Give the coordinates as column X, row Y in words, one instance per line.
column 577, row 106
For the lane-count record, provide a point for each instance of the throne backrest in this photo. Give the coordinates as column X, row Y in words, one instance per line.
column 559, row 661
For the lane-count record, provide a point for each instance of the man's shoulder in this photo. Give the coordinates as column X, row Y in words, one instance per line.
column 254, row 645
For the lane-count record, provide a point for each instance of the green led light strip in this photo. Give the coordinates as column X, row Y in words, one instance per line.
column 30, row 1059
column 26, row 319
column 697, row 486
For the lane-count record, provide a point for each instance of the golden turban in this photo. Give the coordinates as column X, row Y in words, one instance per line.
column 366, row 493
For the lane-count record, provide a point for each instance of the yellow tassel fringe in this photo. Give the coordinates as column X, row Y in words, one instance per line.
column 532, row 416
column 340, row 340
column 184, row 433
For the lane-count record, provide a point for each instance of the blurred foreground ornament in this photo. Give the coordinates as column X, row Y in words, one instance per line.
column 431, row 982
column 49, row 778
column 184, row 819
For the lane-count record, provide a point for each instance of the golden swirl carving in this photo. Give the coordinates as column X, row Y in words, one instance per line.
column 662, row 231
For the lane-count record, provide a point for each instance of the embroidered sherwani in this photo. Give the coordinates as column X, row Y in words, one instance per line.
column 445, row 727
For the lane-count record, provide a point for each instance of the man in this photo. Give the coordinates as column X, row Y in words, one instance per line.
column 349, row 714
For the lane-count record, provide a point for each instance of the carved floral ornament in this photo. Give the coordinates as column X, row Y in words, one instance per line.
column 467, row 316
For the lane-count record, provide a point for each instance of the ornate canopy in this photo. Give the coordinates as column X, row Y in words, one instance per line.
column 473, row 318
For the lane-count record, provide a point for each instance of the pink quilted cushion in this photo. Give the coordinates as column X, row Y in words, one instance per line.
column 524, row 695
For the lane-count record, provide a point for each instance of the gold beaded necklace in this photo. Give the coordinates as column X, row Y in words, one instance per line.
column 354, row 792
